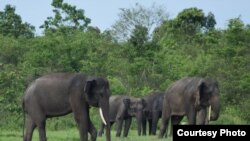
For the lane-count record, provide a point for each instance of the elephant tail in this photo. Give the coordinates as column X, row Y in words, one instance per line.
column 23, row 117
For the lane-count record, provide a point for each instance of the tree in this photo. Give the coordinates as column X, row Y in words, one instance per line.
column 66, row 19
column 137, row 16
column 235, row 33
column 191, row 20
column 210, row 21
column 189, row 23
column 11, row 24
column 139, row 37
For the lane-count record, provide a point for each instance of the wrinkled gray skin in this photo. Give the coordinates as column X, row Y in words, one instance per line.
column 60, row 94
column 152, row 111
column 190, row 97
column 122, row 109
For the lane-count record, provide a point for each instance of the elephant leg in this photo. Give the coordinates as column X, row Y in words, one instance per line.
column 164, row 126
column 165, row 120
column 144, row 126
column 155, row 119
column 81, row 118
column 40, row 121
column 82, row 126
column 41, row 130
column 126, row 127
column 80, row 110
column 191, row 116
column 149, row 126
column 30, row 126
column 100, row 132
column 175, row 120
column 119, row 124
column 92, row 130
column 139, row 127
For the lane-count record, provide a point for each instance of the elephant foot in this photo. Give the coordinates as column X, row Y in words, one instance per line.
column 93, row 137
column 118, row 135
column 160, row 136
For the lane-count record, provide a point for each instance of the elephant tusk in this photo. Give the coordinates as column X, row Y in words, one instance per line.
column 102, row 117
column 209, row 112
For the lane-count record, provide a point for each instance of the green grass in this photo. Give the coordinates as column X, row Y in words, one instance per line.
column 72, row 135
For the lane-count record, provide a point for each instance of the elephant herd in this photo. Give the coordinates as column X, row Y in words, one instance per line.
column 63, row 93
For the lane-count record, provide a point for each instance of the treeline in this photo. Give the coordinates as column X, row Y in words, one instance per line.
column 137, row 57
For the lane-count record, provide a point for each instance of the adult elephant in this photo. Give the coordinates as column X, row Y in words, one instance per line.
column 122, row 109
column 62, row 93
column 152, row 111
column 191, row 97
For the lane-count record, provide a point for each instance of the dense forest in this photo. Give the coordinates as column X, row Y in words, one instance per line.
column 143, row 51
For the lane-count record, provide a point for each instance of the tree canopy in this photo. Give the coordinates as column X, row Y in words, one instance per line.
column 66, row 19
column 11, row 24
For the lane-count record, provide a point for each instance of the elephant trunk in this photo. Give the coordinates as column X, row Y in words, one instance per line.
column 215, row 108
column 104, row 114
column 108, row 132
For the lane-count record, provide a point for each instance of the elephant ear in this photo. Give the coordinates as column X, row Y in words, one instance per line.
column 199, row 93
column 89, row 85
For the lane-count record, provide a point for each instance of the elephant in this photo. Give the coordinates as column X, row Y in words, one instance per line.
column 152, row 111
column 191, row 97
column 59, row 94
column 123, row 108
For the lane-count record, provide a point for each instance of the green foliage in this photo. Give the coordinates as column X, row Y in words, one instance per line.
column 190, row 20
column 138, row 38
column 236, row 34
column 66, row 19
column 210, row 21
column 117, row 87
column 186, row 26
column 11, row 24
column 231, row 115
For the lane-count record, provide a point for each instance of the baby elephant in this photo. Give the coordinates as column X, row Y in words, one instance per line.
column 123, row 108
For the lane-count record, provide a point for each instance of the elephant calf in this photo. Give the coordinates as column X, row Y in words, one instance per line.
column 152, row 111
column 122, row 109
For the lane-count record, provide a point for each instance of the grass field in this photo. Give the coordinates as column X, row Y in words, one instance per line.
column 72, row 135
